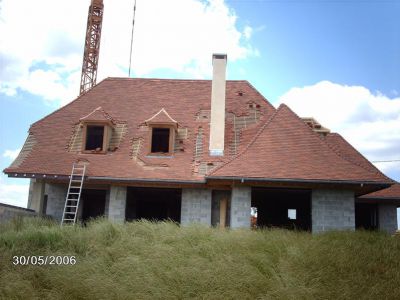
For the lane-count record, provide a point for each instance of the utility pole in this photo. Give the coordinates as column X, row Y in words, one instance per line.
column 92, row 46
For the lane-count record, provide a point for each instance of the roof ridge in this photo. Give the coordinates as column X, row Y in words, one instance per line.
column 173, row 79
column 255, row 137
column 307, row 131
column 258, row 93
column 377, row 171
column 333, row 151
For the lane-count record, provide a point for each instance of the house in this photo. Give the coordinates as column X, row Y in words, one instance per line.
column 204, row 151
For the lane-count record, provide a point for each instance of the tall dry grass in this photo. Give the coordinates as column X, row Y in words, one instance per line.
column 145, row 260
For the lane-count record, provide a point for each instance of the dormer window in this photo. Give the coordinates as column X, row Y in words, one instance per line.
column 162, row 133
column 160, row 140
column 94, row 138
column 97, row 129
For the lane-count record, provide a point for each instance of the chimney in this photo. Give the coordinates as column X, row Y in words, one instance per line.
column 217, row 126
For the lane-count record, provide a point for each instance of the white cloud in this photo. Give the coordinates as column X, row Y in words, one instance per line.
column 11, row 154
column 13, row 194
column 369, row 121
column 42, row 44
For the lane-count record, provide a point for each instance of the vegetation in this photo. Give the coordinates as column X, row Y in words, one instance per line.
column 145, row 260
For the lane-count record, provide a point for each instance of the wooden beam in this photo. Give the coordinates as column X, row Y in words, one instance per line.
column 222, row 212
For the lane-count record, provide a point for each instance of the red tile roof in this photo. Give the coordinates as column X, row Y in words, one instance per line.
column 392, row 193
column 272, row 144
column 286, row 148
column 338, row 144
column 134, row 101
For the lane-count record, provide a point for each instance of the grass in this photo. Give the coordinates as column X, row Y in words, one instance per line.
column 145, row 260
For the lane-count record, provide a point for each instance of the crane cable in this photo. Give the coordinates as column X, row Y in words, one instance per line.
column 133, row 26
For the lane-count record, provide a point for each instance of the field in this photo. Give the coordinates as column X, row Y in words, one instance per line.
column 145, row 260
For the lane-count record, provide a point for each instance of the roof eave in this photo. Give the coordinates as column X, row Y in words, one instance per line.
column 359, row 186
column 295, row 180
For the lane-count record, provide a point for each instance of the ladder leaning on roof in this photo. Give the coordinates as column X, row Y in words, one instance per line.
column 74, row 193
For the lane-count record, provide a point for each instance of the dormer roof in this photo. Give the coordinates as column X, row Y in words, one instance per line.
column 162, row 117
column 98, row 115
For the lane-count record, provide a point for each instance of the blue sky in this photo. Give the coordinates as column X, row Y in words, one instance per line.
column 338, row 61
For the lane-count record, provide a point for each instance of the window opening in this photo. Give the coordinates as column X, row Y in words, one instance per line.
column 94, row 137
column 160, row 140
column 291, row 214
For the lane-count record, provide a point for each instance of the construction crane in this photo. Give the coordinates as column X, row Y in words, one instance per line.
column 92, row 46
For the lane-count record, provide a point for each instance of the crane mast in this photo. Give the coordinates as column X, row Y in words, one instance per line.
column 92, row 46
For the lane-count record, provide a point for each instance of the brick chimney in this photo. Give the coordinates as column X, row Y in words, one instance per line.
column 217, row 125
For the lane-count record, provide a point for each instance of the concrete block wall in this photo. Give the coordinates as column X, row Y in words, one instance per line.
column 36, row 195
column 117, row 203
column 196, row 206
column 240, row 207
column 9, row 212
column 387, row 218
column 106, row 210
column 56, row 194
column 332, row 210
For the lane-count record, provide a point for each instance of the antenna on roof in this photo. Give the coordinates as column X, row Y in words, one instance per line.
column 133, row 26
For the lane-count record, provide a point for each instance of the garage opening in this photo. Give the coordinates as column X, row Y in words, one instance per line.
column 156, row 204
column 285, row 208
column 366, row 215
column 93, row 204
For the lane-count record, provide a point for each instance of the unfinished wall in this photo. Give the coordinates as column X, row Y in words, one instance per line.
column 220, row 202
column 36, row 195
column 117, row 203
column 387, row 218
column 56, row 194
column 9, row 212
column 240, row 207
column 106, row 210
column 196, row 206
column 332, row 210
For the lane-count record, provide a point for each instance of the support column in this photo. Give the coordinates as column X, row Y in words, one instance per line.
column 117, row 204
column 332, row 210
column 56, row 194
column 241, row 207
column 36, row 195
column 196, row 206
column 387, row 218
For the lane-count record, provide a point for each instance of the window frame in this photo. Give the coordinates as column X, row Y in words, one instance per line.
column 171, row 139
column 106, row 137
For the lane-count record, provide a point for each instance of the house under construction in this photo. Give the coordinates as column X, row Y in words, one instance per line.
column 206, row 151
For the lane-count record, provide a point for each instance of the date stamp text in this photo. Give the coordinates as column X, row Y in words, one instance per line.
column 41, row 260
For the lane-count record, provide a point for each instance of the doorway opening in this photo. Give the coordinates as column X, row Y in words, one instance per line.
column 93, row 203
column 156, row 204
column 285, row 208
column 366, row 215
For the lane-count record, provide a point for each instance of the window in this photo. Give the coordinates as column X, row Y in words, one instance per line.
column 292, row 214
column 94, row 137
column 160, row 140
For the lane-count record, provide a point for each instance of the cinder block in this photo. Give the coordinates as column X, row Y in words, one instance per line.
column 240, row 207
column 117, row 203
column 196, row 206
column 332, row 210
column 387, row 217
column 56, row 194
